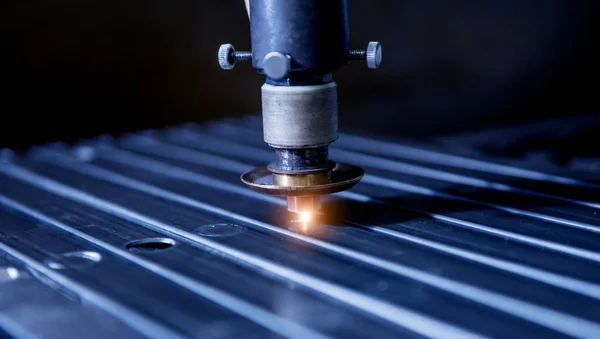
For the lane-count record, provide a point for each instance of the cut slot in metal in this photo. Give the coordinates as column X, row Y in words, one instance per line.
column 150, row 244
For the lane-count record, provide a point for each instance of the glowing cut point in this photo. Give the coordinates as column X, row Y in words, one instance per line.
column 13, row 273
column 305, row 217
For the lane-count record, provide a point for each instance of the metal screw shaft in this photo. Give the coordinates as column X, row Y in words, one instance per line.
column 357, row 54
column 372, row 54
column 228, row 56
column 242, row 56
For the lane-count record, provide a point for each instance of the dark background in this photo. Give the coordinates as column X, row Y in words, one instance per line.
column 78, row 68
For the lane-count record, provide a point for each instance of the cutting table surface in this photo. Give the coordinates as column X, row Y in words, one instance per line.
column 152, row 235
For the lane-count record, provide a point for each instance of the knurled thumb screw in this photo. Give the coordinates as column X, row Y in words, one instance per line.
column 228, row 56
column 372, row 54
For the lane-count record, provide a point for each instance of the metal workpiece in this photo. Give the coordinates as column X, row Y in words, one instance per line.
column 300, row 116
column 431, row 244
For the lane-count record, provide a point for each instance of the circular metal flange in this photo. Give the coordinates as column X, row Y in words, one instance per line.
column 343, row 177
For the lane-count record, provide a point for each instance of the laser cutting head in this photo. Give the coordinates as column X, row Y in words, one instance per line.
column 297, row 44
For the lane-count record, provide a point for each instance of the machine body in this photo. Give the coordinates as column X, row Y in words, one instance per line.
column 297, row 45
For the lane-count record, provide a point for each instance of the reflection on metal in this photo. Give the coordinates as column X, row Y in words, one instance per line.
column 303, row 222
column 8, row 274
column 77, row 259
column 220, row 230
column 428, row 244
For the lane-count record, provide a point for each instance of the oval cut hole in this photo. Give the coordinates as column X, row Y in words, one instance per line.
column 85, row 255
column 219, row 230
column 150, row 244
column 78, row 259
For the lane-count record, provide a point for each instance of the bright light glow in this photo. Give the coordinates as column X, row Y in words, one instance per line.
column 305, row 217
column 13, row 273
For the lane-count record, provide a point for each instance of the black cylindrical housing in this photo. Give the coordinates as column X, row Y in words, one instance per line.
column 314, row 33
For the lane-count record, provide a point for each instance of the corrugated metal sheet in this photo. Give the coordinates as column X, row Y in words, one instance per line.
column 153, row 235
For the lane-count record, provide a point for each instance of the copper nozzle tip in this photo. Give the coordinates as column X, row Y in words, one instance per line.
column 303, row 203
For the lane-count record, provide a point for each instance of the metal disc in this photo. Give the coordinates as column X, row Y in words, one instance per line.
column 343, row 177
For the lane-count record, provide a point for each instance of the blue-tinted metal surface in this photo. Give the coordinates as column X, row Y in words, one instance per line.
column 428, row 244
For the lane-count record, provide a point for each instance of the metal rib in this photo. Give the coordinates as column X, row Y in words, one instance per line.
column 401, row 168
column 420, row 154
column 404, row 167
column 179, row 153
column 433, row 242
column 264, row 318
column 552, row 319
column 142, row 324
column 412, row 169
column 427, row 172
column 582, row 253
column 395, row 314
column 578, row 286
column 389, row 183
column 14, row 329
column 123, row 157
